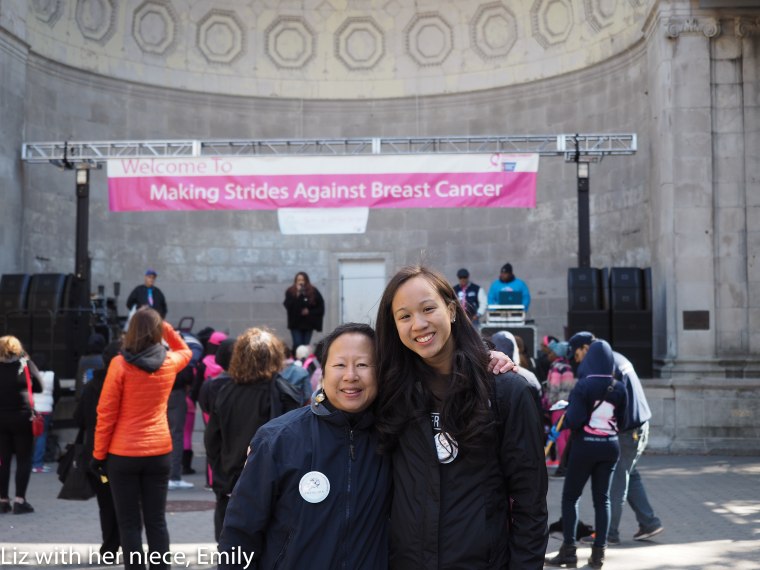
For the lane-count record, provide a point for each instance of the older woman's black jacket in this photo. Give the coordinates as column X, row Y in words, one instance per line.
column 457, row 515
column 269, row 517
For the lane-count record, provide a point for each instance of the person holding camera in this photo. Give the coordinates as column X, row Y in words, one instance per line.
column 306, row 309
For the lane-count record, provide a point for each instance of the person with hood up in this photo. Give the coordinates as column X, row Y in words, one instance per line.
column 314, row 492
column 132, row 440
column 595, row 410
column 506, row 342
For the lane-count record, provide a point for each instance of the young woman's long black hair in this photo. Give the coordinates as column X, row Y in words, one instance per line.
column 465, row 414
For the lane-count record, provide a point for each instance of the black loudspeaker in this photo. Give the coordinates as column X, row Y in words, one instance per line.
column 584, row 289
column 18, row 325
column 596, row 322
column 631, row 327
column 527, row 333
column 46, row 292
column 14, row 292
column 647, row 288
column 626, row 277
column 640, row 356
column 62, row 339
column 626, row 299
column 626, row 289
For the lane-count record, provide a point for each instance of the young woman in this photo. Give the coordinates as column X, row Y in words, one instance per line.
column 314, row 492
column 596, row 408
column 469, row 480
column 306, row 309
column 132, row 438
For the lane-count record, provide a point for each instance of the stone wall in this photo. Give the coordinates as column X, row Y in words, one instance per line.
column 230, row 269
column 686, row 80
column 334, row 49
column 13, row 55
column 704, row 414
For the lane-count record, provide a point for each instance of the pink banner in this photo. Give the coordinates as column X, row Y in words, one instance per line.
column 503, row 185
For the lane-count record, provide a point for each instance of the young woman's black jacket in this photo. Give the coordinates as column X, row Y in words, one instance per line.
column 267, row 514
column 457, row 515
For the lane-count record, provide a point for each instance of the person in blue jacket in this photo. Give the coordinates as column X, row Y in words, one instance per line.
column 508, row 282
column 594, row 413
column 314, row 492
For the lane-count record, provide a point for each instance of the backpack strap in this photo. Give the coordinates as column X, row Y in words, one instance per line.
column 280, row 391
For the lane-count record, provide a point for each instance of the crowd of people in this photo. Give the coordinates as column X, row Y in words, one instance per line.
column 420, row 440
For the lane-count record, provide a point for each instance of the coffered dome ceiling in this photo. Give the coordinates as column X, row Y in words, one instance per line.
column 333, row 49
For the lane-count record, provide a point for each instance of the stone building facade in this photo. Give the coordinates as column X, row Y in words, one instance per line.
column 684, row 75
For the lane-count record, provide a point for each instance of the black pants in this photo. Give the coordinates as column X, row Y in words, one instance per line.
column 139, row 486
column 177, row 413
column 15, row 439
column 109, row 526
column 222, row 500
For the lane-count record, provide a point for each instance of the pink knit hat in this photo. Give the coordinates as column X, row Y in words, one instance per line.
column 217, row 337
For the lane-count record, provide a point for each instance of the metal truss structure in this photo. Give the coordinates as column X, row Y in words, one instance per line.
column 574, row 147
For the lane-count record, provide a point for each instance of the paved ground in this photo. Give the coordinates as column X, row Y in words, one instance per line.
column 710, row 507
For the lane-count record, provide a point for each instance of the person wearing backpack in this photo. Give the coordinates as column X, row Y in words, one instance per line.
column 595, row 410
column 256, row 394
column 634, row 436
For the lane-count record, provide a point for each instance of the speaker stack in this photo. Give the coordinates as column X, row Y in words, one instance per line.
column 588, row 303
column 44, row 312
column 14, row 297
column 631, row 316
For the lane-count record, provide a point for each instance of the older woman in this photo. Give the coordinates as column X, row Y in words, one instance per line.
column 314, row 492
column 242, row 406
column 132, row 436
column 15, row 428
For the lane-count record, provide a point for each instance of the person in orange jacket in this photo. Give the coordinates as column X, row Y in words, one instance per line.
column 132, row 440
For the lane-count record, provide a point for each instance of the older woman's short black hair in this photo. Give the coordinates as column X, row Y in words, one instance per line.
column 323, row 346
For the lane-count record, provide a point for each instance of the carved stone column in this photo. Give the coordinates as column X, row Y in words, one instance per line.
column 681, row 185
column 705, row 180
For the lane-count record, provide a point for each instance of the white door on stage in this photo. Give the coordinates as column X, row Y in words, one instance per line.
column 361, row 285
